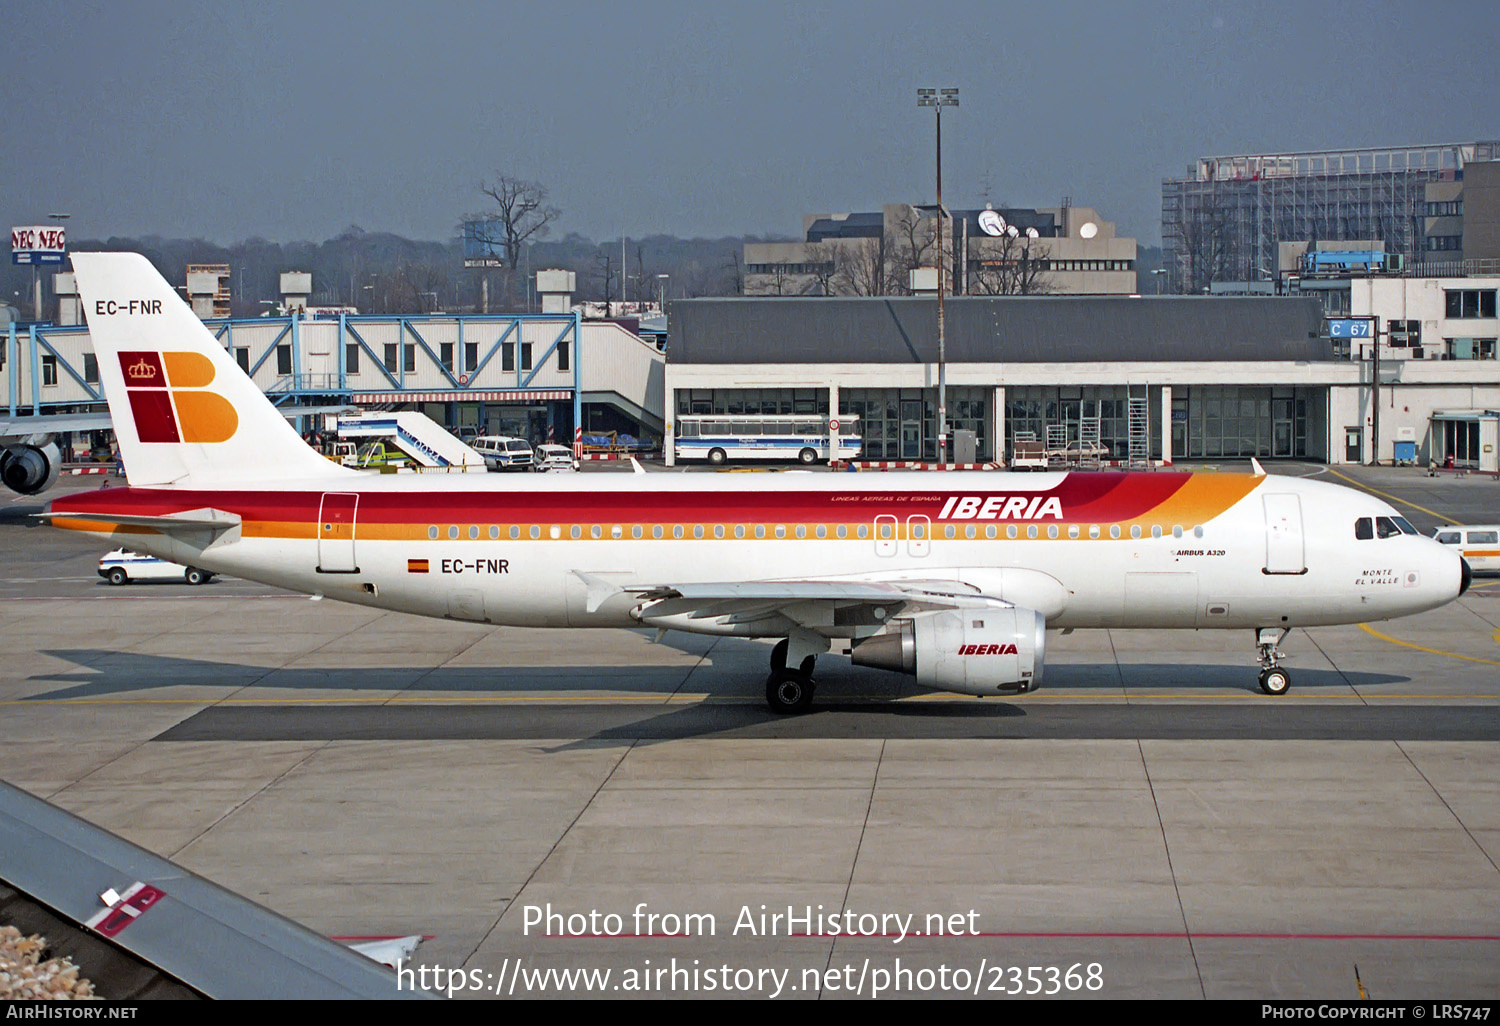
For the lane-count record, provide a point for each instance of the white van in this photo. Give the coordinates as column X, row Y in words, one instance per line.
column 1477, row 543
column 503, row 453
column 555, row 457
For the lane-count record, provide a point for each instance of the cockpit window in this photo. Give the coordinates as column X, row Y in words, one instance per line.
column 1405, row 525
column 1364, row 529
column 1385, row 527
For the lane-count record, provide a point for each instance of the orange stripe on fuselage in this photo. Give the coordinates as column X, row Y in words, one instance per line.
column 1202, row 498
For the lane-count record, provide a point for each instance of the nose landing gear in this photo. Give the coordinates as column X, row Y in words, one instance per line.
column 1273, row 679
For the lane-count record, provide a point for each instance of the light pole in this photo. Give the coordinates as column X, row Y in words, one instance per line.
column 661, row 291
column 36, row 279
column 937, row 99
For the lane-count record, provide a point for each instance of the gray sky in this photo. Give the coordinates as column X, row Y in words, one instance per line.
column 292, row 120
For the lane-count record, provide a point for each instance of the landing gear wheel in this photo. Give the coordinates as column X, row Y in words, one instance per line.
column 788, row 693
column 195, row 576
column 1275, row 681
column 807, row 457
column 118, row 576
column 716, row 456
column 778, row 655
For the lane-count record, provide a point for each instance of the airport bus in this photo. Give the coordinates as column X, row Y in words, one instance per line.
column 803, row 437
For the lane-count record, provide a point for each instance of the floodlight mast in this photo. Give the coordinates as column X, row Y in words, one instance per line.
column 937, row 99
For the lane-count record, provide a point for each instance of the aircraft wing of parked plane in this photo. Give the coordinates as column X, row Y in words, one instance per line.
column 29, row 459
column 954, row 578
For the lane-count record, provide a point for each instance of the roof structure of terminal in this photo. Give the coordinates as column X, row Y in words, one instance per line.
column 997, row 329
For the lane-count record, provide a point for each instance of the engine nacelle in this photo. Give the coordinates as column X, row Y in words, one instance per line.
column 971, row 651
column 30, row 469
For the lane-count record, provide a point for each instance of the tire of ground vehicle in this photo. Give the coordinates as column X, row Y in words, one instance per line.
column 195, row 576
column 807, row 457
column 118, row 576
column 716, row 456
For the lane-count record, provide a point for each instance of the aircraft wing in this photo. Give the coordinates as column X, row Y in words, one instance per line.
column 51, row 424
column 810, row 604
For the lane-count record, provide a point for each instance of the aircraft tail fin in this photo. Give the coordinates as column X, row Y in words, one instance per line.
column 183, row 411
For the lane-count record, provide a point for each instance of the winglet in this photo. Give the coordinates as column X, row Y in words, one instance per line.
column 1256, row 468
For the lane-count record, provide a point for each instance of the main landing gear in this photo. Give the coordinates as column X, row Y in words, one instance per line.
column 1273, row 679
column 790, row 690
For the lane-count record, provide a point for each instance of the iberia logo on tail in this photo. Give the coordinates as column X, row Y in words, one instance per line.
column 171, row 401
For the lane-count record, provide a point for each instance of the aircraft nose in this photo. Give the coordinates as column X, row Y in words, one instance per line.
column 1466, row 575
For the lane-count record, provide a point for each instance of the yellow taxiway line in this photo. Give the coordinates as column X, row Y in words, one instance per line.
column 1423, row 648
column 1394, row 498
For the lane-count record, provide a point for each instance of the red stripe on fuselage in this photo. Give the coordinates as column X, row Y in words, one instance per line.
column 1089, row 498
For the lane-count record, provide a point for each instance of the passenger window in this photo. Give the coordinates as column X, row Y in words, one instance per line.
column 1483, row 537
column 1385, row 527
column 1449, row 537
column 1364, row 529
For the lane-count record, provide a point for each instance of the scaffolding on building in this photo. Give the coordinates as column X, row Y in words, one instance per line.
column 1138, row 426
column 1223, row 221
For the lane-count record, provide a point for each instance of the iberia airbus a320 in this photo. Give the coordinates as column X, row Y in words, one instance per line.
column 953, row 577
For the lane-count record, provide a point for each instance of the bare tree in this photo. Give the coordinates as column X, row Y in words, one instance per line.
column 915, row 245
column 822, row 268
column 520, row 215
column 860, row 267
column 1205, row 240
column 607, row 274
column 407, row 291
column 737, row 274
column 780, row 282
column 1010, row 266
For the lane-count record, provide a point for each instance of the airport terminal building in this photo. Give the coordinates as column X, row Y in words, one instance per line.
column 1166, row 378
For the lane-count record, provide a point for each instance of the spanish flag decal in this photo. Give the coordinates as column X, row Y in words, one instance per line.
column 416, row 566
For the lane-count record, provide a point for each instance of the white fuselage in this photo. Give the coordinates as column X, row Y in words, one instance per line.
column 524, row 551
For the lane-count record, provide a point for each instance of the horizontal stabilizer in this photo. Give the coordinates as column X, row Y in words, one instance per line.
column 203, row 519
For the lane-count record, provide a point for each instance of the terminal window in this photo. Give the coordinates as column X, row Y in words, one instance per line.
column 1463, row 303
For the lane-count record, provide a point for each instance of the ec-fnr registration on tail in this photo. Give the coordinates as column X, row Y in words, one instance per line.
column 953, row 578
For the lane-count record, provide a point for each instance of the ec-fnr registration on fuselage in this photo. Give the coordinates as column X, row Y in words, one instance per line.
column 952, row 578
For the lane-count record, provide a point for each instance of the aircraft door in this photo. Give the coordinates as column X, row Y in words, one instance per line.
column 1285, row 551
column 918, row 535
column 885, row 535
column 336, row 533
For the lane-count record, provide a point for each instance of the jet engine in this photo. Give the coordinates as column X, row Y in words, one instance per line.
column 971, row 651
column 30, row 469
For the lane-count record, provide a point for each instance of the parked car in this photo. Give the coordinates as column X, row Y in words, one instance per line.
column 503, row 453
column 125, row 567
column 1076, row 450
column 555, row 457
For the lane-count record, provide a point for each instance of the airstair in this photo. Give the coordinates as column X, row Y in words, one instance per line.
column 416, row 435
